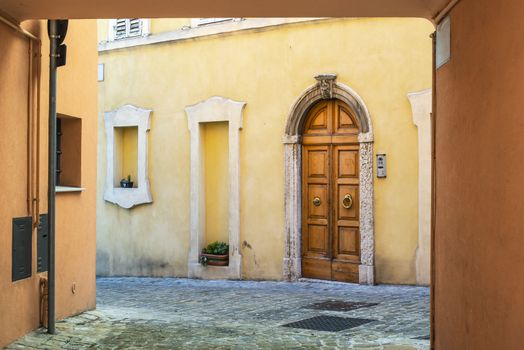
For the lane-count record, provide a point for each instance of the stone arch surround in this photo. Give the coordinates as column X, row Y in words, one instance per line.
column 326, row 88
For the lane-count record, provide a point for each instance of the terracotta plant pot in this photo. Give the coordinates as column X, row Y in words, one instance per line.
column 215, row 260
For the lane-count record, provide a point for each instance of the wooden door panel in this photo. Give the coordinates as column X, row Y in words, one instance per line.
column 347, row 163
column 344, row 213
column 320, row 120
column 347, row 247
column 343, row 271
column 348, row 241
column 318, row 209
column 345, row 121
column 318, row 239
column 329, row 139
column 316, row 268
column 317, row 162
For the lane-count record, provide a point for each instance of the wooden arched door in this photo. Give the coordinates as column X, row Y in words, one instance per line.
column 330, row 193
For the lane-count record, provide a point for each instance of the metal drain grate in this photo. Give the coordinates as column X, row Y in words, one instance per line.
column 338, row 305
column 424, row 337
column 328, row 323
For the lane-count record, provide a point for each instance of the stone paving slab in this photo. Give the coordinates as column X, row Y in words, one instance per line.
column 170, row 313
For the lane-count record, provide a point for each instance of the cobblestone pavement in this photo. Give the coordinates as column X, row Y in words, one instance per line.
column 168, row 313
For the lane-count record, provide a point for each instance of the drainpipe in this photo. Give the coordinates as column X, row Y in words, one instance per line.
column 32, row 174
column 445, row 11
column 433, row 189
column 57, row 30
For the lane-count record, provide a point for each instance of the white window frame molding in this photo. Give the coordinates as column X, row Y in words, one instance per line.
column 145, row 25
column 214, row 109
column 421, row 105
column 128, row 116
column 198, row 22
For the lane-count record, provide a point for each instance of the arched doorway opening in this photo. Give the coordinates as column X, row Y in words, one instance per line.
column 327, row 89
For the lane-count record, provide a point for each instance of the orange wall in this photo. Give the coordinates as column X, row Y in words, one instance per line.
column 76, row 234
column 76, row 212
column 480, row 196
column 21, row 297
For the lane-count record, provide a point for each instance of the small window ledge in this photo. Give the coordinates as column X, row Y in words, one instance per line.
column 65, row 189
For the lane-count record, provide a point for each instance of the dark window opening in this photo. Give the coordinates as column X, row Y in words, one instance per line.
column 68, row 151
column 58, row 150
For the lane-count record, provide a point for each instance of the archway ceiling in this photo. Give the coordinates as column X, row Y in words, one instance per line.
column 20, row 10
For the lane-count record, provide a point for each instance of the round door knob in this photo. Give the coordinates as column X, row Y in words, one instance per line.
column 347, row 202
column 316, row 201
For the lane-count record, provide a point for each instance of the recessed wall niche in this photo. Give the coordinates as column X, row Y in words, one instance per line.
column 215, row 181
column 214, row 113
column 126, row 155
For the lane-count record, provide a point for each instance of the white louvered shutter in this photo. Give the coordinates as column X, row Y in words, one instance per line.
column 127, row 27
column 135, row 27
column 120, row 29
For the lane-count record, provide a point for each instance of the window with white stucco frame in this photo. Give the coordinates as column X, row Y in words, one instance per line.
column 137, row 120
column 122, row 28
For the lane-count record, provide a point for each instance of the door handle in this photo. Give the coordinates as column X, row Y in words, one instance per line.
column 347, row 202
column 316, row 201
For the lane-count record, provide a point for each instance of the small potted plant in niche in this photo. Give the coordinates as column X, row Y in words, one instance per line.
column 215, row 254
column 126, row 183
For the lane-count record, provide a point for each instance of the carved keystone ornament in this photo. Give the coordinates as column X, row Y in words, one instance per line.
column 326, row 82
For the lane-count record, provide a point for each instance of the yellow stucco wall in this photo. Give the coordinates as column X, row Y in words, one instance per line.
column 102, row 29
column 381, row 59
column 161, row 25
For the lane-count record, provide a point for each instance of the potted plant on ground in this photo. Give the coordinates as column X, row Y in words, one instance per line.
column 126, row 183
column 215, row 254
